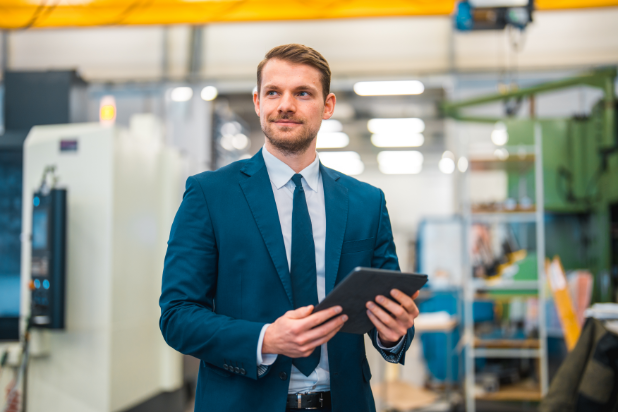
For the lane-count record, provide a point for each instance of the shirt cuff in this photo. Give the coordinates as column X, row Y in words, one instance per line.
column 394, row 349
column 266, row 358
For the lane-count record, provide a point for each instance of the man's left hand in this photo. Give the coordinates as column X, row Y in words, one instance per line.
column 394, row 325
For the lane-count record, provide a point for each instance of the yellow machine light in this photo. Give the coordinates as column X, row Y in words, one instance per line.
column 107, row 110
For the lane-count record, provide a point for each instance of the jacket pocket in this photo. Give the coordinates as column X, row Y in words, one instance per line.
column 366, row 370
column 354, row 246
column 218, row 371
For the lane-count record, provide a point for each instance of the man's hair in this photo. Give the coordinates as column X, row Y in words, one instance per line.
column 299, row 54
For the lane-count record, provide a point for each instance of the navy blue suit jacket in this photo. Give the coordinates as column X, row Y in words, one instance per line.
column 226, row 275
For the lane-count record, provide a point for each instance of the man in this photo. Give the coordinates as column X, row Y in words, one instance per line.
column 257, row 244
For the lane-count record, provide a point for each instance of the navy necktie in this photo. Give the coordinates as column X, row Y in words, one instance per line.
column 302, row 267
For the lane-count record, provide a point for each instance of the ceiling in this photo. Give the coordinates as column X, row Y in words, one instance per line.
column 24, row 14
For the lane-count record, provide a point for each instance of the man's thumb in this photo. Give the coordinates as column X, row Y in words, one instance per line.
column 300, row 313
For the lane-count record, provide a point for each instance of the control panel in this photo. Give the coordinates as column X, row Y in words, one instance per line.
column 48, row 265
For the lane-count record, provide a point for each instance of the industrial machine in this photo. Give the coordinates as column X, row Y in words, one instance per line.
column 91, row 265
column 562, row 192
column 580, row 174
column 30, row 98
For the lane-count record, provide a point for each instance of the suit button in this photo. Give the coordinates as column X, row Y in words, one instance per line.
column 225, row 366
column 237, row 369
column 283, row 376
column 243, row 371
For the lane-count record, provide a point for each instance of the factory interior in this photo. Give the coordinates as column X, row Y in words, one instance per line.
column 491, row 126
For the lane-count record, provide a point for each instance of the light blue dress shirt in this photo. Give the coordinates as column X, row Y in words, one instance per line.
column 283, row 188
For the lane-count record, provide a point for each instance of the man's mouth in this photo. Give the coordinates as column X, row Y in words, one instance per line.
column 287, row 122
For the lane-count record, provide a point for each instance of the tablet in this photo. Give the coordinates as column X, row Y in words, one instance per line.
column 363, row 285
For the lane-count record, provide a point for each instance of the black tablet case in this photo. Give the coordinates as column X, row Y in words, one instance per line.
column 363, row 285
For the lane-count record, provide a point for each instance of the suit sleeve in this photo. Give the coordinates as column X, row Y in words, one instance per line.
column 188, row 320
column 385, row 257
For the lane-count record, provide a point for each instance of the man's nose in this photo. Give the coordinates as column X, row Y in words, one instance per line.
column 287, row 103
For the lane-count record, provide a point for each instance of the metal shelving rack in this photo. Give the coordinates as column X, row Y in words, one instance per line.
column 536, row 350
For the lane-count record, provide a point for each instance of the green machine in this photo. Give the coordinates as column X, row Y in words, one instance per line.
column 580, row 175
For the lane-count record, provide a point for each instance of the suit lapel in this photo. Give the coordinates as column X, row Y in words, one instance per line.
column 336, row 207
column 257, row 189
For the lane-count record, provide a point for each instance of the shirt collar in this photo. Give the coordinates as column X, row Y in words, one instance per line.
column 280, row 173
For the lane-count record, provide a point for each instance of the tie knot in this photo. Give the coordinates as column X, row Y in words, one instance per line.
column 296, row 179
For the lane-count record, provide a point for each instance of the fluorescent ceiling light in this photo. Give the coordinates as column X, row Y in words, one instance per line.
column 397, row 140
column 501, row 153
column 331, row 126
column 235, row 142
column 447, row 163
column 226, row 142
column 462, row 164
column 331, row 136
column 400, row 163
column 345, row 162
column 332, row 140
column 499, row 135
column 231, row 128
column 405, row 87
column 396, row 126
column 181, row 94
column 209, row 93
column 240, row 141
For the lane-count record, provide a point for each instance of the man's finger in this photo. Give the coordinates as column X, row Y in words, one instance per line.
column 396, row 309
column 300, row 313
column 384, row 317
column 324, row 339
column 382, row 328
column 413, row 310
column 405, row 300
column 326, row 328
column 322, row 316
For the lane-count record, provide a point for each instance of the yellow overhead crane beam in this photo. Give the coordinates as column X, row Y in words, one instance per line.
column 24, row 14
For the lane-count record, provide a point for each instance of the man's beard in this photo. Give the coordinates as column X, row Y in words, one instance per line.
column 292, row 145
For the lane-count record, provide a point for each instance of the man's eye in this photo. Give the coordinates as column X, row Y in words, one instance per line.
column 271, row 93
column 303, row 94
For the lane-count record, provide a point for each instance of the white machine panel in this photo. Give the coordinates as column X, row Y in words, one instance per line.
column 123, row 187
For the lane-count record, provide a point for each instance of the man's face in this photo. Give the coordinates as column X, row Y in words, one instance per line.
column 291, row 105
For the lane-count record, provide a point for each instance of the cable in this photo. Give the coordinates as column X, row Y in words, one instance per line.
column 35, row 15
column 137, row 4
column 3, row 360
column 12, row 399
column 42, row 11
column 48, row 11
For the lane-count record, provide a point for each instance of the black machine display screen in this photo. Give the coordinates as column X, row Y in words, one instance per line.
column 39, row 229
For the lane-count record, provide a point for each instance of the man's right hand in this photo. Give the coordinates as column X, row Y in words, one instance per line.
column 295, row 333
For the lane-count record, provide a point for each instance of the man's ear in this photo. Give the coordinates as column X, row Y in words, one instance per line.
column 329, row 106
column 256, row 102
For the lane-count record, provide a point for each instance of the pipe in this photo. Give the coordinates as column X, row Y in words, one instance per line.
column 610, row 139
